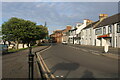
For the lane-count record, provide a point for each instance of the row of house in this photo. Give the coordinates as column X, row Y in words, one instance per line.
column 105, row 31
column 60, row 35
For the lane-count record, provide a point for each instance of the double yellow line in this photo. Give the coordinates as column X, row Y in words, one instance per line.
column 47, row 73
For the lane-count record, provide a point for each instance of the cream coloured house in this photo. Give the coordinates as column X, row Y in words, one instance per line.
column 108, row 31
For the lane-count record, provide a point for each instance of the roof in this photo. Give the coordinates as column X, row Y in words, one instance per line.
column 109, row 20
column 57, row 31
column 73, row 29
column 91, row 25
column 63, row 29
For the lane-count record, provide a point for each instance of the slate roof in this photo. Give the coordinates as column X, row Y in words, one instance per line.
column 109, row 20
column 91, row 25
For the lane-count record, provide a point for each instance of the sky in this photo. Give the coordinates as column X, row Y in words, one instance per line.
column 60, row 0
column 57, row 14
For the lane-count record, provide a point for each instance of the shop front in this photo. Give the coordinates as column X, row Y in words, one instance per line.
column 104, row 40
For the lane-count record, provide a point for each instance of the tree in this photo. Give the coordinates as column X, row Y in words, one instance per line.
column 24, row 31
column 43, row 30
column 11, row 30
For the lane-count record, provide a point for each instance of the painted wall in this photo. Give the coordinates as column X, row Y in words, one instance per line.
column 114, row 41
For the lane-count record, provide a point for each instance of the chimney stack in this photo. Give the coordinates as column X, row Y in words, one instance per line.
column 103, row 16
column 68, row 27
column 87, row 21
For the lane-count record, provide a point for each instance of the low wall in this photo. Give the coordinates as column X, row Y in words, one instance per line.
column 19, row 46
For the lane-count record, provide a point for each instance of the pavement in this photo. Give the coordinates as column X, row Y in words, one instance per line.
column 98, row 50
column 15, row 65
column 67, row 62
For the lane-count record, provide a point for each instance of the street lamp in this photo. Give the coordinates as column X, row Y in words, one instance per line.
column 31, row 63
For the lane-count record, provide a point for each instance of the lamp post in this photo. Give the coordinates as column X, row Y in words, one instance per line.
column 31, row 63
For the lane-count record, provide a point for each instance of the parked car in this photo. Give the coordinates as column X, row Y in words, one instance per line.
column 64, row 42
column 3, row 48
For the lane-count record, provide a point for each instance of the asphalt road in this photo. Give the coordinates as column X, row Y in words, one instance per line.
column 67, row 62
column 15, row 65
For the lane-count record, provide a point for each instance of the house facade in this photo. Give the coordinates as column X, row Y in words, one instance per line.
column 75, row 32
column 80, row 28
column 88, row 34
column 105, row 31
column 65, row 33
column 108, row 31
column 72, row 35
column 59, row 36
column 56, row 36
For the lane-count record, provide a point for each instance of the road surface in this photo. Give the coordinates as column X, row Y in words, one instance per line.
column 67, row 62
column 15, row 65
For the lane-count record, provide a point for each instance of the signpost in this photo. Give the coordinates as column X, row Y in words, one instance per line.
column 106, row 46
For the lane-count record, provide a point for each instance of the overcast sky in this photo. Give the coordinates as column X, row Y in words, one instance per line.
column 57, row 14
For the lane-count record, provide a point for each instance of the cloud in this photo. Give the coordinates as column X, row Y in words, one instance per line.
column 57, row 15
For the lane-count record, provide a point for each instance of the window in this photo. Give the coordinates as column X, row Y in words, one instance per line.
column 118, row 28
column 98, row 31
column 104, row 30
column 109, row 28
column 90, row 32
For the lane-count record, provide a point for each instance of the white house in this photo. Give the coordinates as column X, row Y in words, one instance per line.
column 72, row 35
column 88, row 34
column 108, row 31
column 76, row 31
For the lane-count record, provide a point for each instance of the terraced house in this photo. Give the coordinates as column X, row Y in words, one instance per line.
column 65, row 33
column 105, row 31
column 108, row 31
column 75, row 32
column 88, row 34
column 59, row 36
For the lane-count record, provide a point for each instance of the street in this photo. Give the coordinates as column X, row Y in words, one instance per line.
column 55, row 39
column 15, row 65
column 67, row 62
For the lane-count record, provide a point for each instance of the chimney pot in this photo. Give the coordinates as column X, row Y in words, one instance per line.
column 103, row 16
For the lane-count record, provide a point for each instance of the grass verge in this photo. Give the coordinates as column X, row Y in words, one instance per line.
column 16, row 50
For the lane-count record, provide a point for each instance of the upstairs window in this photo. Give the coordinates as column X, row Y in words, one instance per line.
column 90, row 32
column 118, row 28
column 98, row 31
column 110, row 29
column 104, row 30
